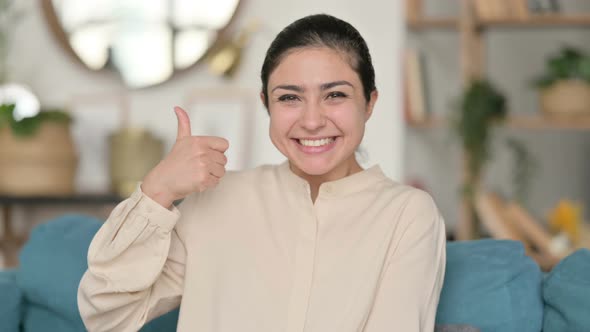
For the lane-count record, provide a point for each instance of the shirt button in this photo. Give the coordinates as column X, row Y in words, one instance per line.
column 328, row 189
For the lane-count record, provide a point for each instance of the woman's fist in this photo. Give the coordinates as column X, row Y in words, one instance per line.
column 194, row 164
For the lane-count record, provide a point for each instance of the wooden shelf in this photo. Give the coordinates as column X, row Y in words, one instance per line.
column 430, row 122
column 548, row 123
column 529, row 122
column 433, row 23
column 534, row 21
column 471, row 30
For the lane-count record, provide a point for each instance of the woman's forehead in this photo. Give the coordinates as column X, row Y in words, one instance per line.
column 313, row 67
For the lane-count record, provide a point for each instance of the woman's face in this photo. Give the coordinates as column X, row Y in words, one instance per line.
column 317, row 111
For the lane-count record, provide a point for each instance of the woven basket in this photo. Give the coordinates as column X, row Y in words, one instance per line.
column 566, row 98
column 44, row 164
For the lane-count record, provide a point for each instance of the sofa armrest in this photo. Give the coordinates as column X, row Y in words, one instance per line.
column 11, row 302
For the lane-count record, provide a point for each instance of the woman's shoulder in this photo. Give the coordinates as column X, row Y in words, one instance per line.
column 410, row 198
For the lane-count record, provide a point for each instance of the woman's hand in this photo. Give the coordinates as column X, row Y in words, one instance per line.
column 194, row 164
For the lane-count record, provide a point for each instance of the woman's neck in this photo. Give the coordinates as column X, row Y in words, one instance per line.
column 315, row 181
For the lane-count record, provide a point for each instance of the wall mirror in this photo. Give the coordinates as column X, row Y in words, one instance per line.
column 145, row 41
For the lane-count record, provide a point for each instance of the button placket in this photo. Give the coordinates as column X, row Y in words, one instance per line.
column 303, row 270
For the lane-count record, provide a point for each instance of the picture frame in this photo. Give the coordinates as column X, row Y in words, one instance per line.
column 227, row 113
column 94, row 118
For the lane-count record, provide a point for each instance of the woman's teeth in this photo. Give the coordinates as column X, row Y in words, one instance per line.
column 318, row 142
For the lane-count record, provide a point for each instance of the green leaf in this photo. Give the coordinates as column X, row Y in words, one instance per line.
column 481, row 105
column 569, row 63
column 6, row 114
column 29, row 126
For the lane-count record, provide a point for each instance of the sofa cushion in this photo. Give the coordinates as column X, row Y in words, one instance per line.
column 165, row 323
column 566, row 292
column 10, row 302
column 39, row 318
column 491, row 285
column 455, row 328
column 53, row 261
column 52, row 264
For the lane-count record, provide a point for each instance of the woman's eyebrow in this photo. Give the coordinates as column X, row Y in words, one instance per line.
column 324, row 86
column 330, row 85
column 295, row 88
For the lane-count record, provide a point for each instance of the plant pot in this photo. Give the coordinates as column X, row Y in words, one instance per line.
column 41, row 165
column 566, row 98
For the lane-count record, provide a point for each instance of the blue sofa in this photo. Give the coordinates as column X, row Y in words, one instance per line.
column 489, row 284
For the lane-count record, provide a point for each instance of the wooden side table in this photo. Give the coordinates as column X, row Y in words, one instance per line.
column 10, row 243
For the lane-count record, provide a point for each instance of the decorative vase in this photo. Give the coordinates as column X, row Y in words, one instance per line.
column 566, row 98
column 133, row 153
column 41, row 165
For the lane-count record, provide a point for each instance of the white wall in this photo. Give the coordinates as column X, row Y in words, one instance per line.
column 38, row 61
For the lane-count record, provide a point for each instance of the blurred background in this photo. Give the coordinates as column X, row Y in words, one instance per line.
column 118, row 68
column 467, row 108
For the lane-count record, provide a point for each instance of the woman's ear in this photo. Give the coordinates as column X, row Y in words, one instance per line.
column 371, row 104
column 262, row 99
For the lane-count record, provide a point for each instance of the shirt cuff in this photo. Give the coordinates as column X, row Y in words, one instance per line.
column 153, row 211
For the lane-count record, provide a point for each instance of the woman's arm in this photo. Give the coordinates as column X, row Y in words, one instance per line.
column 135, row 266
column 410, row 288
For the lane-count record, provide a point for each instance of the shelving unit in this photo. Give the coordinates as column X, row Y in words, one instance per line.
column 471, row 31
column 432, row 23
column 534, row 21
column 528, row 122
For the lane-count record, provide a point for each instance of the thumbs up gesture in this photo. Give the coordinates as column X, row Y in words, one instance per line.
column 194, row 164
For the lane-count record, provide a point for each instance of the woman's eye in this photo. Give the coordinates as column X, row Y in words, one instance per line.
column 288, row 98
column 336, row 94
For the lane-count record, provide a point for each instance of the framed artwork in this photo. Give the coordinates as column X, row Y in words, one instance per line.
column 95, row 117
column 228, row 113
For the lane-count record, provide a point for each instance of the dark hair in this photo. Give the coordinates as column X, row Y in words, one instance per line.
column 321, row 31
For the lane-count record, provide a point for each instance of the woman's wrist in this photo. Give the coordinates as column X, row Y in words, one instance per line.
column 161, row 197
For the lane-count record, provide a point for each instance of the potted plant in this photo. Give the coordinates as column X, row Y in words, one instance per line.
column 565, row 86
column 37, row 153
column 479, row 107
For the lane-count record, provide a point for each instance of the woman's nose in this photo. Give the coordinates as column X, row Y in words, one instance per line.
column 313, row 117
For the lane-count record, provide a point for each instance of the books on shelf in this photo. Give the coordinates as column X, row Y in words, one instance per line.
column 414, row 87
column 509, row 220
column 491, row 211
column 413, row 9
column 501, row 9
column 526, row 224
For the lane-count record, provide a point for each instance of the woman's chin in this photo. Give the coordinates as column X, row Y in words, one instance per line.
column 312, row 167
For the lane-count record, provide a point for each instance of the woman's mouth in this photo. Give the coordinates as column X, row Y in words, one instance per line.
column 317, row 145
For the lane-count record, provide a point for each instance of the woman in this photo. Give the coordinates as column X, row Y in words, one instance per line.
column 314, row 244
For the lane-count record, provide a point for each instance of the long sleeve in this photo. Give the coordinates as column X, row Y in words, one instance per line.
column 409, row 291
column 136, row 265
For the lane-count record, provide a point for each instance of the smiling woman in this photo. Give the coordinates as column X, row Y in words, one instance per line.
column 314, row 244
column 146, row 41
column 317, row 121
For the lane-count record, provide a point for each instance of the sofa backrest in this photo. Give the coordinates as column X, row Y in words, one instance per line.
column 52, row 263
column 10, row 302
column 491, row 285
column 566, row 293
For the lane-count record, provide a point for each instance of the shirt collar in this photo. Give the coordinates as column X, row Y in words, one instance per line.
column 350, row 184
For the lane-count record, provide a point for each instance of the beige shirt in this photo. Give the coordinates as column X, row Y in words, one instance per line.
column 255, row 254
